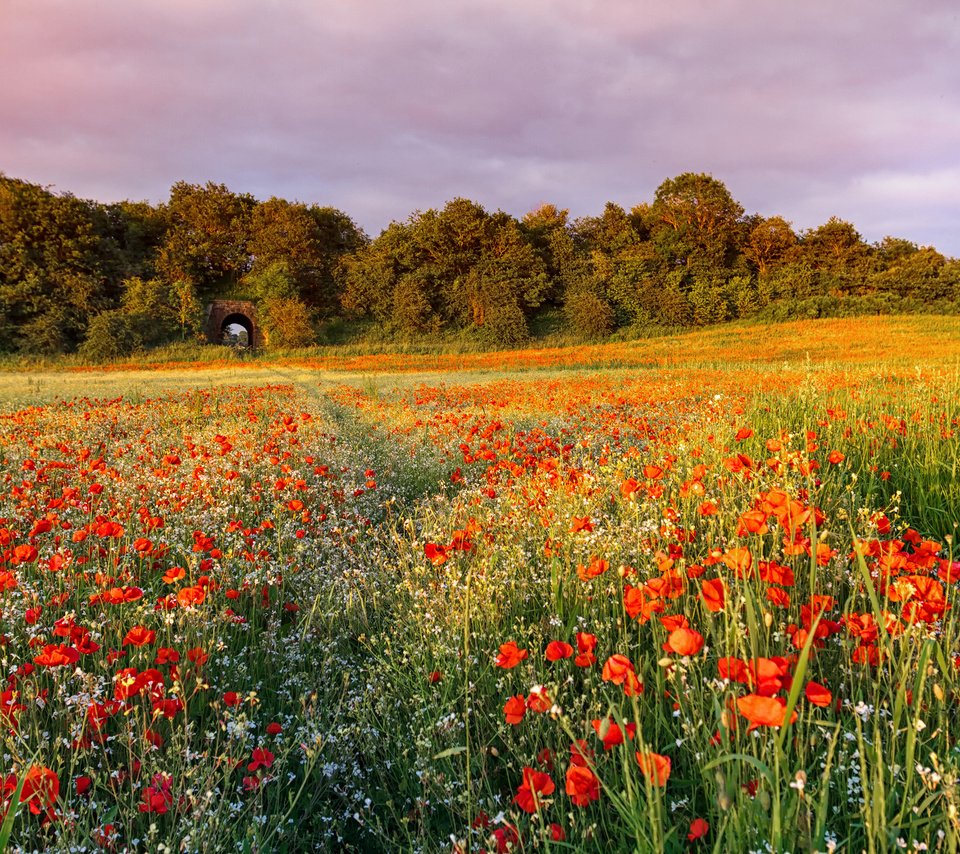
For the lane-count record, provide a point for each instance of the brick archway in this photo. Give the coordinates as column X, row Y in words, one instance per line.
column 221, row 313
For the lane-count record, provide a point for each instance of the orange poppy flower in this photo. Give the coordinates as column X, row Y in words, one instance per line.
column 674, row 621
column 712, row 591
column 684, row 642
column 60, row 655
column 628, row 489
column 139, row 636
column 739, row 560
column 655, row 768
column 597, row 566
column 191, row 596
column 515, row 708
column 619, row 670
column 173, row 575
column 764, row 711
column 582, row 786
column 510, row 655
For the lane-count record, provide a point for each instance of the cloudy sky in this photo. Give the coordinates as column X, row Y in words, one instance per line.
column 382, row 107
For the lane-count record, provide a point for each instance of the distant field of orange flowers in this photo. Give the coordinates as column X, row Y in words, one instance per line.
column 847, row 341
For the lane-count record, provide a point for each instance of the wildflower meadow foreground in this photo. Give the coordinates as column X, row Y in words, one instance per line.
column 702, row 606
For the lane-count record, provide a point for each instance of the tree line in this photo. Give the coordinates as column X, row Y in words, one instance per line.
column 109, row 279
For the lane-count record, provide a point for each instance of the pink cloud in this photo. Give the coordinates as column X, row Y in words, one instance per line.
column 381, row 108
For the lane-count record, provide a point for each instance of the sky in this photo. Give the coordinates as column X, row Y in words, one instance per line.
column 380, row 108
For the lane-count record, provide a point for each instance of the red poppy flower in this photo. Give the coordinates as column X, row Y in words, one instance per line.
column 610, row 733
column 198, row 656
column 538, row 701
column 435, row 553
column 157, row 798
column 41, row 787
column 698, row 829
column 580, row 754
column 586, row 644
column 515, row 708
column 510, row 655
column 535, row 783
column 139, row 636
column 261, row 758
column 557, row 650
column 817, row 694
column 582, row 786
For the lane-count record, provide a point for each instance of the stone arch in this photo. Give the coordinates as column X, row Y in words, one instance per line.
column 223, row 313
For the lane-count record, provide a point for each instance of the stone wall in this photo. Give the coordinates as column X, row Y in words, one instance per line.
column 219, row 310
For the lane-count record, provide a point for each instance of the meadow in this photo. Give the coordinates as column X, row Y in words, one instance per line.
column 693, row 593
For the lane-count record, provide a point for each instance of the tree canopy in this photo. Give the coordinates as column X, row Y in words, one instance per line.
column 110, row 278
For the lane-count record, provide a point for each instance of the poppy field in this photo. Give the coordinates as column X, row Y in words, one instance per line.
column 705, row 603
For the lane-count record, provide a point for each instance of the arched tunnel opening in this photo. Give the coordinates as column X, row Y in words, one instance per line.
column 236, row 330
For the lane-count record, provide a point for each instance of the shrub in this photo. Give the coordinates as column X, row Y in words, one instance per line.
column 113, row 335
column 287, row 322
column 588, row 313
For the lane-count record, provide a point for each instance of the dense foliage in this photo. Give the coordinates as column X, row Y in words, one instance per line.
column 111, row 279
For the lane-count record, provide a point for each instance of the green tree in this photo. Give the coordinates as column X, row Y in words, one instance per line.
column 458, row 267
column 696, row 222
column 371, row 274
column 548, row 230
column 310, row 241
column 769, row 243
column 154, row 308
column 915, row 275
column 588, row 313
column 52, row 278
column 837, row 252
column 207, row 238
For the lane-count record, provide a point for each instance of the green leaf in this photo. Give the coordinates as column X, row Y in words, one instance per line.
column 451, row 751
